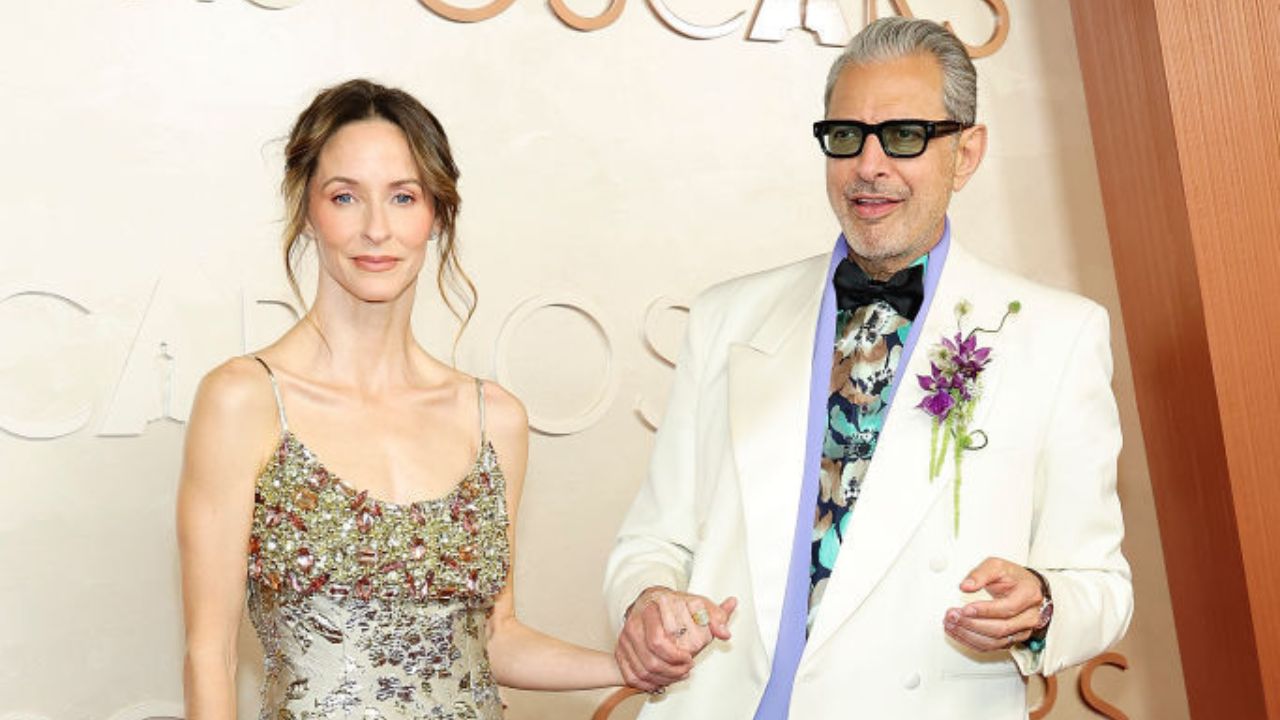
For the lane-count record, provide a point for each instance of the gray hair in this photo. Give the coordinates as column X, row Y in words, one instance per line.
column 891, row 38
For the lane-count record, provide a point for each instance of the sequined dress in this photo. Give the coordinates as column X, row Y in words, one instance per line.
column 368, row 609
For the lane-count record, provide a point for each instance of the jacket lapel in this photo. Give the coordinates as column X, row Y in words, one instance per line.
column 768, row 379
column 897, row 492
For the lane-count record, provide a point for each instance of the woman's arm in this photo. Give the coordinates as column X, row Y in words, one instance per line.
column 232, row 422
column 520, row 656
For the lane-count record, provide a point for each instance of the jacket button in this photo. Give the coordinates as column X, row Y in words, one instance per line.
column 912, row 681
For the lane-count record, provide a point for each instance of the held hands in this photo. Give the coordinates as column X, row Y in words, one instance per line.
column 663, row 632
column 1009, row 617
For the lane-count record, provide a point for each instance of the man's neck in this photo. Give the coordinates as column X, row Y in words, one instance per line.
column 881, row 269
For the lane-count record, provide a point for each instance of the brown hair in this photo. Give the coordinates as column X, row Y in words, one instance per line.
column 357, row 100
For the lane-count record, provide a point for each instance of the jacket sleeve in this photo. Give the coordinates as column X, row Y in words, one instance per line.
column 658, row 537
column 1077, row 525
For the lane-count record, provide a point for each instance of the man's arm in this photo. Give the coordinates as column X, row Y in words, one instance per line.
column 660, row 627
column 1078, row 527
column 1076, row 533
column 658, row 537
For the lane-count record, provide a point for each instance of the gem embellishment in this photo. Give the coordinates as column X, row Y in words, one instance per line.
column 305, row 519
column 364, row 605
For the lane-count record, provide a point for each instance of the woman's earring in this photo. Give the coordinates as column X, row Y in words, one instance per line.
column 435, row 235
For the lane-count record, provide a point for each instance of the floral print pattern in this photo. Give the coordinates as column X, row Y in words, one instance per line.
column 869, row 344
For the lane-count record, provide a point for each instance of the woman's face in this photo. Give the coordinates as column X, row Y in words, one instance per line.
column 369, row 212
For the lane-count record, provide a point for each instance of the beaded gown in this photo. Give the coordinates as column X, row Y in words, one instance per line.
column 368, row 609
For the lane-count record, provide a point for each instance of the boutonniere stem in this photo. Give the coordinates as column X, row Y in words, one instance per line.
column 952, row 390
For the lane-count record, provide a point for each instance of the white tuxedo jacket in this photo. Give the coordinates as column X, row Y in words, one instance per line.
column 718, row 511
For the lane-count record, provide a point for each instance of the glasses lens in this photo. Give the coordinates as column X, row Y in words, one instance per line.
column 844, row 140
column 904, row 138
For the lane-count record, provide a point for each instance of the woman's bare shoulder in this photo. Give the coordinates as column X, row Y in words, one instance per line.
column 237, row 392
column 504, row 413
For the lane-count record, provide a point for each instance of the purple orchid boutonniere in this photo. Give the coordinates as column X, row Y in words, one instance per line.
column 953, row 388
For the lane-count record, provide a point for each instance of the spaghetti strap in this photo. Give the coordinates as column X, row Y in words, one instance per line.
column 480, row 400
column 275, row 390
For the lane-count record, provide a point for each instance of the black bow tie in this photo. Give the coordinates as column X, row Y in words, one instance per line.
column 904, row 291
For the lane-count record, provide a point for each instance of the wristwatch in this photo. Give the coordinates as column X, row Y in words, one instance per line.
column 1035, row 643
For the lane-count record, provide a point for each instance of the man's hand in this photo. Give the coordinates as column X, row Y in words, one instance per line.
column 1009, row 617
column 663, row 632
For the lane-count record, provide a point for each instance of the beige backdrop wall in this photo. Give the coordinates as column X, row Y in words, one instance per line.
column 618, row 171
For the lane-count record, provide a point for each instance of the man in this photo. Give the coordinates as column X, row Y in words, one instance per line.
column 903, row 528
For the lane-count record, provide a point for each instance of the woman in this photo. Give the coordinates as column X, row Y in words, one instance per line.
column 374, row 486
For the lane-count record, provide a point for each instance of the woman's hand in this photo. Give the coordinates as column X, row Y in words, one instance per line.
column 664, row 631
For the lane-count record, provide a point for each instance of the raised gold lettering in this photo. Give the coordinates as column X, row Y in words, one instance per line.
column 994, row 43
column 1048, row 700
column 1087, row 693
column 690, row 30
column 998, row 35
column 821, row 17
column 467, row 15
column 588, row 24
column 772, row 20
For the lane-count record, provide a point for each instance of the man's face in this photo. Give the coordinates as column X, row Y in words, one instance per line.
column 892, row 209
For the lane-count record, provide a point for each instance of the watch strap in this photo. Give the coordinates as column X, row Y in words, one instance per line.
column 1036, row 642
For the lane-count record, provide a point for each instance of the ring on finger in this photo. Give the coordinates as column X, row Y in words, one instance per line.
column 701, row 617
column 682, row 631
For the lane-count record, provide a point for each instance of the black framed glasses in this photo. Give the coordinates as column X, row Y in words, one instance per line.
column 898, row 138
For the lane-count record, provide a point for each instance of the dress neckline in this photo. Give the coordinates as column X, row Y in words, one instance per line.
column 486, row 447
